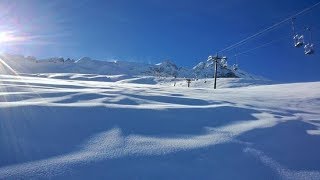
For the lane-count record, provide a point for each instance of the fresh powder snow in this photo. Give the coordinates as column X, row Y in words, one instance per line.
column 91, row 119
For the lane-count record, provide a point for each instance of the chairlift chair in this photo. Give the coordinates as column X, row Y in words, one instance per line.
column 235, row 67
column 224, row 62
column 225, row 65
column 298, row 40
column 308, row 49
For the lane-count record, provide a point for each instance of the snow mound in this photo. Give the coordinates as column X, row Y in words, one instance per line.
column 69, row 128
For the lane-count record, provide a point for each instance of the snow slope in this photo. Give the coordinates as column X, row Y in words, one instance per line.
column 71, row 128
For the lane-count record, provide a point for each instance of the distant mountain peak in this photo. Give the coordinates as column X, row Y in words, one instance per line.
column 86, row 65
column 84, row 59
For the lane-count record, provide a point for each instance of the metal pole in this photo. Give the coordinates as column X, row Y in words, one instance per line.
column 215, row 71
column 293, row 28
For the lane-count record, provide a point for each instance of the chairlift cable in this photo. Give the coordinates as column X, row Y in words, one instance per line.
column 261, row 46
column 268, row 29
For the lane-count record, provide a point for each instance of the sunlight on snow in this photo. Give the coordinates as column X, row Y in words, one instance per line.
column 243, row 111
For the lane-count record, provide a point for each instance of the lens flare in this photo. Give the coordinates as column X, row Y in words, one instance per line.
column 5, row 67
column 11, row 36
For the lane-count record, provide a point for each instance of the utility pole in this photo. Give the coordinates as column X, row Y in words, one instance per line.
column 215, row 59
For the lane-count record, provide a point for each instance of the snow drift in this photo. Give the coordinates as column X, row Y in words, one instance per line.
column 58, row 120
column 78, row 129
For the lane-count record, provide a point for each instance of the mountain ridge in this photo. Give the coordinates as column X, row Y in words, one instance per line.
column 86, row 65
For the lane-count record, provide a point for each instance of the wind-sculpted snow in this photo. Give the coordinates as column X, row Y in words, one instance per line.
column 74, row 128
column 283, row 172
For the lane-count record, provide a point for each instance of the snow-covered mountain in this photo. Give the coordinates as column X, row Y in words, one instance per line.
column 86, row 65
column 205, row 69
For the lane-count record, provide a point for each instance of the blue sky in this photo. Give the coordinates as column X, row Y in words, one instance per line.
column 184, row 31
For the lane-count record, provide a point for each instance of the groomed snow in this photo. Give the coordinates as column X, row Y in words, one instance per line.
column 68, row 126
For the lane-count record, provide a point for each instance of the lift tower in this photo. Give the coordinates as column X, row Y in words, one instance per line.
column 216, row 59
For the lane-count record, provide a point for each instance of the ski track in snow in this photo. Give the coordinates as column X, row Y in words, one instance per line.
column 274, row 105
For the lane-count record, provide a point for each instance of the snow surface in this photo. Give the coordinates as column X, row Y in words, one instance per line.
column 78, row 129
column 67, row 125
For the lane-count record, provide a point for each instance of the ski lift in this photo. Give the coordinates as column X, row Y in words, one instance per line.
column 225, row 65
column 309, row 47
column 298, row 39
column 235, row 67
column 224, row 62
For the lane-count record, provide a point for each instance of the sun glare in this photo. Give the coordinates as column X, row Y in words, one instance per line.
column 5, row 67
column 11, row 36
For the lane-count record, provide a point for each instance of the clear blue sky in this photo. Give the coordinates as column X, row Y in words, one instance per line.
column 184, row 31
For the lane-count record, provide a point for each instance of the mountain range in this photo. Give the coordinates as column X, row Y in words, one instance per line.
column 86, row 65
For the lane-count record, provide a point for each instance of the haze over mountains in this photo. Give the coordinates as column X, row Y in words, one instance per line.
column 86, row 65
